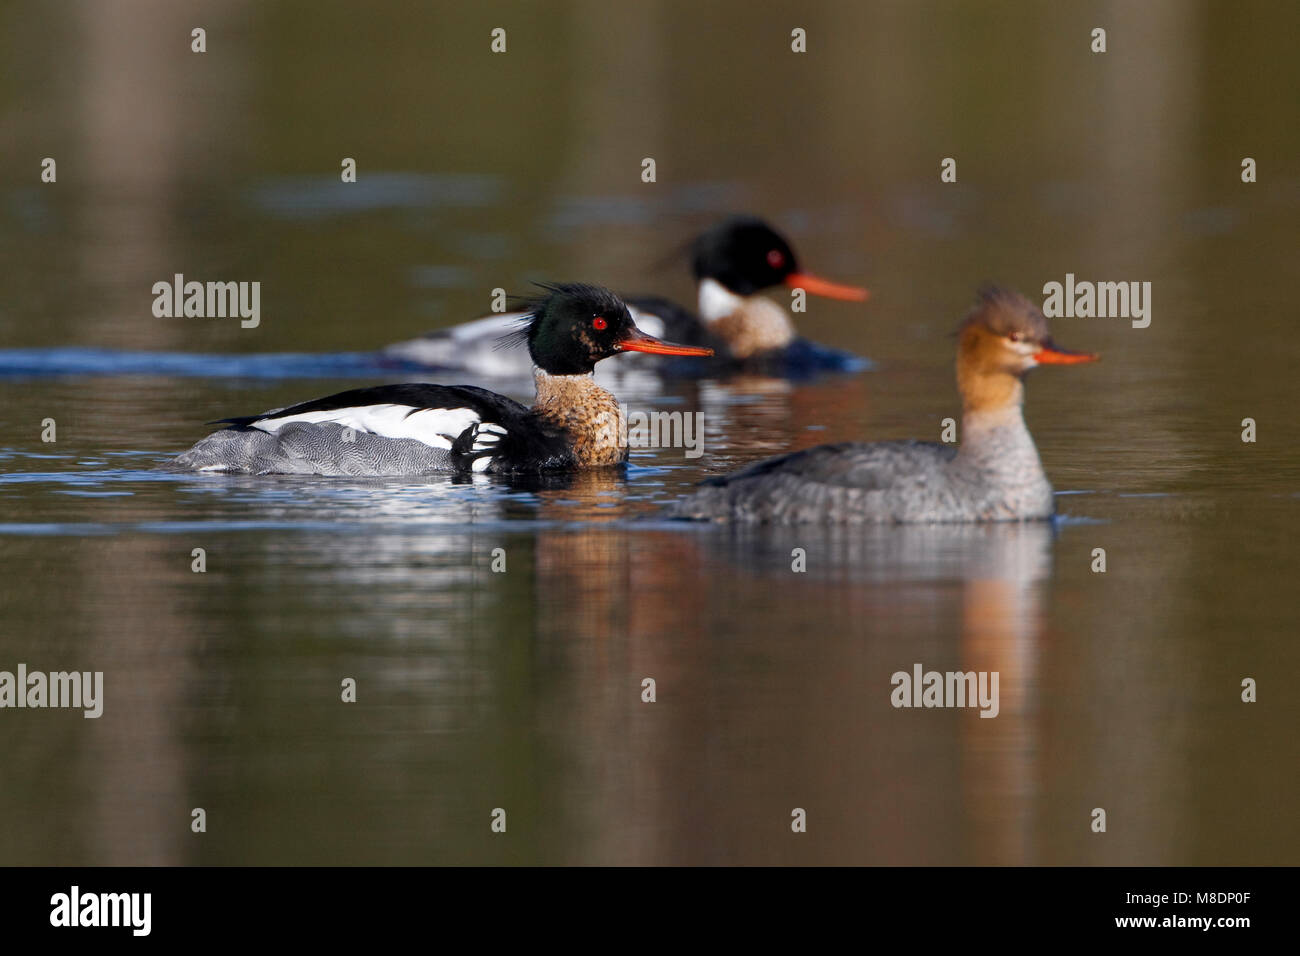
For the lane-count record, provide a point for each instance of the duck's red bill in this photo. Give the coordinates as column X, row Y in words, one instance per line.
column 824, row 287
column 638, row 341
column 1055, row 355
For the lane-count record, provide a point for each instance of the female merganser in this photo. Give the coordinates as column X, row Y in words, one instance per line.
column 732, row 263
column 995, row 474
column 421, row 429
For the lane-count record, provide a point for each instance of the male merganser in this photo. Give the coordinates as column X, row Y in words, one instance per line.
column 420, row 429
column 733, row 262
column 994, row 475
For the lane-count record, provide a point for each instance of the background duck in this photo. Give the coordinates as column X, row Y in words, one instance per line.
column 732, row 263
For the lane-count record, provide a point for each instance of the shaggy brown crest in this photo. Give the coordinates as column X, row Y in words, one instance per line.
column 1004, row 312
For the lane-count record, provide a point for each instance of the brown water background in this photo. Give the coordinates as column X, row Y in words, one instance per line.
column 522, row 690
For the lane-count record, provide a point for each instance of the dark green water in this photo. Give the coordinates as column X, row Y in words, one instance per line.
column 522, row 690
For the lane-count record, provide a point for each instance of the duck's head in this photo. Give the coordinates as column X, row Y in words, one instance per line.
column 574, row 326
column 1003, row 337
column 745, row 255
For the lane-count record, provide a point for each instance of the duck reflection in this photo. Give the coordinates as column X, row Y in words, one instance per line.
column 529, row 620
column 756, row 714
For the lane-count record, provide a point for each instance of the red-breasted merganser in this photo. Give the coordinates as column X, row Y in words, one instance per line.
column 732, row 263
column 994, row 475
column 421, row 429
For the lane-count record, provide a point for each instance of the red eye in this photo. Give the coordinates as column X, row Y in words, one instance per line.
column 776, row 258
column 599, row 324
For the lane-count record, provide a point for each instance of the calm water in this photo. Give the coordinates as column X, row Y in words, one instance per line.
column 522, row 690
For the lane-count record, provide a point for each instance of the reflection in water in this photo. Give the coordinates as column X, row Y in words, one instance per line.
column 1001, row 631
column 748, row 723
column 980, row 584
column 134, row 148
